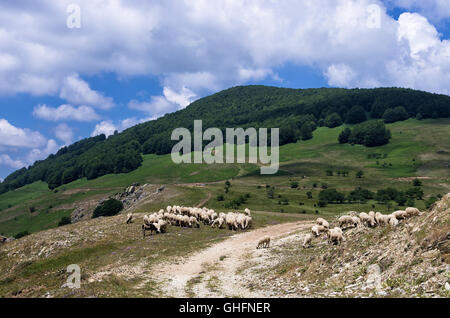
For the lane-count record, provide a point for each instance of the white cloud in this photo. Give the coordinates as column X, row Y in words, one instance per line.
column 8, row 161
column 19, row 137
column 64, row 133
column 66, row 112
column 108, row 127
column 105, row 127
column 201, row 46
column 42, row 153
column 78, row 92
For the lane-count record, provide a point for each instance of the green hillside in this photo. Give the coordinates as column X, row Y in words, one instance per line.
column 297, row 112
column 417, row 149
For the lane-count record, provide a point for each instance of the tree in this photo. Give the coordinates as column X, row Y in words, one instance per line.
column 360, row 174
column 417, row 183
column 356, row 115
column 331, row 196
column 64, row 221
column 309, row 194
column 108, row 208
column 370, row 134
column 294, row 184
column 333, row 120
column 395, row 114
column 306, row 131
column 344, row 136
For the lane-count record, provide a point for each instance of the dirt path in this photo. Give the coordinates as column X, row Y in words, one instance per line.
column 203, row 202
column 214, row 272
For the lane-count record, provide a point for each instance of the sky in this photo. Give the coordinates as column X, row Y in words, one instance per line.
column 75, row 69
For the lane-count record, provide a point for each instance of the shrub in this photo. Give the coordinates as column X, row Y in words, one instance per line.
column 64, row 221
column 220, row 198
column 21, row 234
column 108, row 208
column 344, row 136
column 294, row 184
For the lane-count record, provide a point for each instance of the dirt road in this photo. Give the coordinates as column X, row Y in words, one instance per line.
column 214, row 272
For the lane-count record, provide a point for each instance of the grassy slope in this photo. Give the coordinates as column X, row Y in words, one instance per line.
column 306, row 162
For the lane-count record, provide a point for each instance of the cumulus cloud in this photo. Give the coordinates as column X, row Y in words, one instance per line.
column 199, row 46
column 19, row 137
column 64, row 133
column 77, row 91
column 66, row 112
column 108, row 127
column 8, row 161
column 42, row 153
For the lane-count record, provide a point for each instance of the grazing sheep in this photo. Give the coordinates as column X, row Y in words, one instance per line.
column 400, row 215
column 149, row 227
column 393, row 220
column 317, row 229
column 264, row 243
column 323, row 222
column 335, row 236
column 410, row 212
column 307, row 241
column 194, row 222
column 129, row 218
column 231, row 221
column 240, row 220
column 219, row 222
column 367, row 219
column 169, row 209
column 248, row 212
column 248, row 222
column 345, row 220
column 162, row 226
column 382, row 219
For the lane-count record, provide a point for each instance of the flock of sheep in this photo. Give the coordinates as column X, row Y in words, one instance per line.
column 353, row 220
column 192, row 217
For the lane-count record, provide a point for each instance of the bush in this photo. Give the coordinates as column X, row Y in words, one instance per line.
column 395, row 114
column 417, row 183
column 21, row 234
column 294, row 184
column 344, row 136
column 108, row 208
column 65, row 220
column 356, row 115
column 333, row 120
column 370, row 134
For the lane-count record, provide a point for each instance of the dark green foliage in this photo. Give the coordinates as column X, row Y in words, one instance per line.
column 309, row 194
column 370, row 134
column 360, row 195
column 360, row 174
column 306, row 132
column 393, row 115
column 345, row 136
column 333, row 120
column 296, row 111
column 108, row 208
column 331, row 196
column 415, row 193
column 430, row 201
column 356, row 115
column 417, row 183
column 64, row 221
column 294, row 184
column 220, row 198
column 21, row 234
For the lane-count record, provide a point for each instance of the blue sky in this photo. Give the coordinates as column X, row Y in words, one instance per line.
column 131, row 62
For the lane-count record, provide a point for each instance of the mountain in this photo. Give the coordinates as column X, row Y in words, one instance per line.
column 244, row 106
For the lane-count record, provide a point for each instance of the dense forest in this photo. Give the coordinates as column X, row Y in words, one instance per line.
column 298, row 112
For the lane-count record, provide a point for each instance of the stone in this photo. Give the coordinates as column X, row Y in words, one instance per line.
column 431, row 254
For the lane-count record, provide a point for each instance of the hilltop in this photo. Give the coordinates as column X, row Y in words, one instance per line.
column 297, row 111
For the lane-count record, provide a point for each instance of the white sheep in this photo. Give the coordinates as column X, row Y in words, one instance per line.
column 129, row 218
column 399, row 215
column 219, row 222
column 367, row 219
column 323, row 222
column 317, row 229
column 248, row 212
column 307, row 240
column 335, row 235
column 410, row 212
column 263, row 243
column 382, row 219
